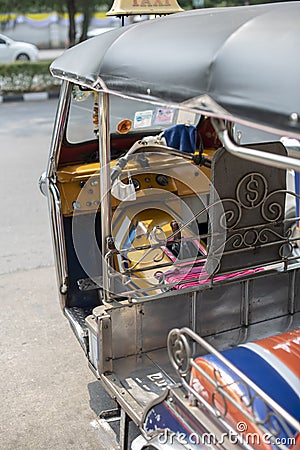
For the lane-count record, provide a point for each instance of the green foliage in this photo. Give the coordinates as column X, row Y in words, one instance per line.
column 25, row 6
column 27, row 77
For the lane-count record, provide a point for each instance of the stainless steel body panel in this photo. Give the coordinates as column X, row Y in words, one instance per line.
column 142, row 327
column 139, row 380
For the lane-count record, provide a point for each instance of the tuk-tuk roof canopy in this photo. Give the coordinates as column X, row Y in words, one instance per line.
column 241, row 63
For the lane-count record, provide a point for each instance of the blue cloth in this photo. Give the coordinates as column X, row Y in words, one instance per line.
column 181, row 137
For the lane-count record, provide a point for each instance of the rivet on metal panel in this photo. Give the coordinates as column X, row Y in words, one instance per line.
column 294, row 117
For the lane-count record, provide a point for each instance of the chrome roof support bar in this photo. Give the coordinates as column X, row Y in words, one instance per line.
column 54, row 203
column 59, row 129
column 105, row 186
column 270, row 159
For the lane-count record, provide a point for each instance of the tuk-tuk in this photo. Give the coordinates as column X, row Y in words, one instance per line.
column 173, row 196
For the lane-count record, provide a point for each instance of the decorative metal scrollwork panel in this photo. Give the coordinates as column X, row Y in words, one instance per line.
column 253, row 197
column 251, row 190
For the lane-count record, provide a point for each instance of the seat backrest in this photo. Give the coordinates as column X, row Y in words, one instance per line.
column 253, row 198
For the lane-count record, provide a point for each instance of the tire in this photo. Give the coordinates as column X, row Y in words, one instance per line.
column 23, row 57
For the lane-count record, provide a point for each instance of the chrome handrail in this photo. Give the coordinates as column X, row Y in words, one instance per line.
column 269, row 159
column 181, row 358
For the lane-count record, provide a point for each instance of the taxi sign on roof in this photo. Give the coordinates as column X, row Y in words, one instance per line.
column 132, row 7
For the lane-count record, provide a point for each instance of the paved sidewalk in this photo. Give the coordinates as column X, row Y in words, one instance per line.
column 51, row 53
column 49, row 397
column 29, row 96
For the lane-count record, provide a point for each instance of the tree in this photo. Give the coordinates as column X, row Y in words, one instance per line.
column 87, row 8
column 71, row 7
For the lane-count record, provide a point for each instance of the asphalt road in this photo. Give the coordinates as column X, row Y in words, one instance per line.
column 49, row 398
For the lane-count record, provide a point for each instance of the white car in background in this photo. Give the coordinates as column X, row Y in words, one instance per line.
column 11, row 50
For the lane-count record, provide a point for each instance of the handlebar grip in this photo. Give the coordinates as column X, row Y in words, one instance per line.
column 118, row 169
column 201, row 160
column 206, row 162
column 114, row 174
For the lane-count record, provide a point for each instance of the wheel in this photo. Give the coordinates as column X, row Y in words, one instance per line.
column 22, row 57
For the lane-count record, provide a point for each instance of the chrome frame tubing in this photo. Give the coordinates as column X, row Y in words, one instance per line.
column 105, row 187
column 270, row 159
column 59, row 128
column 54, row 202
column 209, row 349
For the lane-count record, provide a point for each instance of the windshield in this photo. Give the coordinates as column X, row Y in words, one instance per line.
column 126, row 116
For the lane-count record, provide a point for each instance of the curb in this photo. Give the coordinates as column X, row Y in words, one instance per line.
column 30, row 96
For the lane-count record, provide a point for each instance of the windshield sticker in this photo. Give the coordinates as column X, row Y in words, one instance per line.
column 164, row 116
column 186, row 117
column 143, row 119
